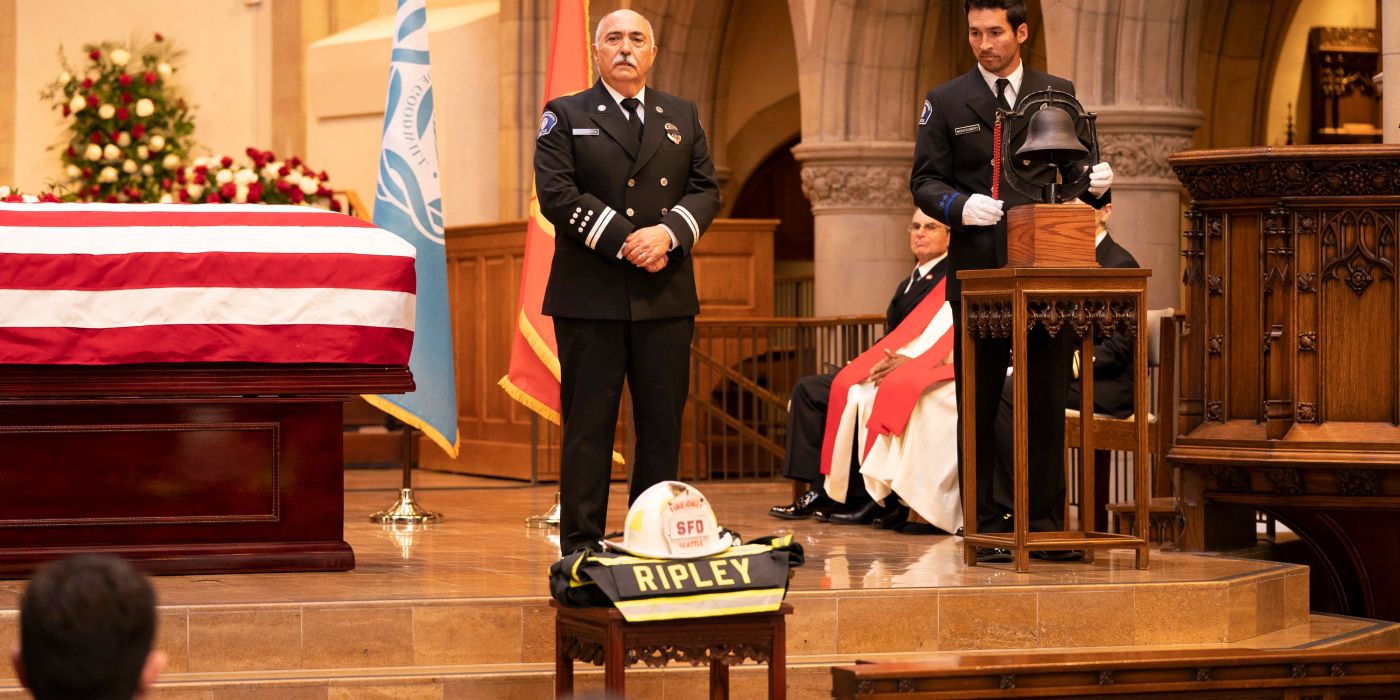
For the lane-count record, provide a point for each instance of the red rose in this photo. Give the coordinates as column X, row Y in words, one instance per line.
column 94, row 54
column 13, row 198
column 72, row 152
column 124, row 79
column 94, row 190
column 201, row 169
column 228, row 190
column 226, row 161
column 93, row 101
column 149, row 77
column 212, row 198
column 180, row 176
column 335, row 205
column 283, row 186
column 323, row 176
column 296, row 196
column 97, row 137
column 284, row 171
column 49, row 197
column 113, row 136
column 87, row 83
column 66, row 110
column 255, row 188
column 138, row 131
column 254, row 197
column 126, row 98
column 165, row 183
column 159, row 37
column 112, row 199
column 198, row 177
column 87, row 172
column 122, row 114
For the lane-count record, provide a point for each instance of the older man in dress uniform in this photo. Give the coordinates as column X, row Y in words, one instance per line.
column 623, row 173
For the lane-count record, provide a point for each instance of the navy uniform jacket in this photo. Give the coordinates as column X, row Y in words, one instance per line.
column 904, row 301
column 596, row 186
column 953, row 160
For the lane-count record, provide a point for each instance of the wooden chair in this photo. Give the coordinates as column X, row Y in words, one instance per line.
column 1116, row 434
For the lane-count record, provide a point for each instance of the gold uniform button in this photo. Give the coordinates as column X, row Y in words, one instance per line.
column 665, row 182
column 631, row 182
column 629, row 211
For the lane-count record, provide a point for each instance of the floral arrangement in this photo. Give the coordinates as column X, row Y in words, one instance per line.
column 11, row 194
column 129, row 132
column 263, row 178
column 130, row 135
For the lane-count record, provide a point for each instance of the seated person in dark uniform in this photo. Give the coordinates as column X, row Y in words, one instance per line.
column 1113, row 390
column 928, row 240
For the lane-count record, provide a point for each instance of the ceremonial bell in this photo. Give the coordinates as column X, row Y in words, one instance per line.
column 1050, row 138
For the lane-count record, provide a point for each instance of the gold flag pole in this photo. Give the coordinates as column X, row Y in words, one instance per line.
column 406, row 510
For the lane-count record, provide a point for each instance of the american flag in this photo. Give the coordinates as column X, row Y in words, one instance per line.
column 96, row 284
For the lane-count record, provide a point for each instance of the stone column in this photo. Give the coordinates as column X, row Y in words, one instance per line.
column 1133, row 62
column 861, row 207
column 1390, row 67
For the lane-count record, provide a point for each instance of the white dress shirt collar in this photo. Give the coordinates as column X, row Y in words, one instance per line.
column 1014, row 89
column 619, row 97
column 921, row 271
column 1098, row 237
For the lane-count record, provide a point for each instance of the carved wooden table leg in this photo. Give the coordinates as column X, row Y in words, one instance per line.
column 615, row 661
column 777, row 662
column 563, row 663
column 719, row 679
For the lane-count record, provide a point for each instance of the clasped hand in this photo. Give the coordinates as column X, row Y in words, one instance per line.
column 646, row 248
column 889, row 363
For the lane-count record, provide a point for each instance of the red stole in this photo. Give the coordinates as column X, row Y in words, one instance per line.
column 857, row 370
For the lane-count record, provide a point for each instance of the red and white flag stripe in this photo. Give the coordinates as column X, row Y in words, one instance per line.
column 113, row 284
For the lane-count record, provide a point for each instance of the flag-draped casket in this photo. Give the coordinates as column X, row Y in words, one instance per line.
column 172, row 376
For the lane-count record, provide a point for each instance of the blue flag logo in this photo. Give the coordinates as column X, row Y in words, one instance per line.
column 408, row 202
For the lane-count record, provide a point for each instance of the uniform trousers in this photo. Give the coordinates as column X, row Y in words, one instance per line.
column 595, row 356
column 802, row 460
column 1048, row 373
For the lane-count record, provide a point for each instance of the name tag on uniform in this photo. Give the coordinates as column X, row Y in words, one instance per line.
column 969, row 129
column 585, row 132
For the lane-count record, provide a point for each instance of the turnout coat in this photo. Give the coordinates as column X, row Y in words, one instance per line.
column 596, row 185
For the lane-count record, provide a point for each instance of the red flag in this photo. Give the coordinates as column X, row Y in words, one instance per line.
column 533, row 379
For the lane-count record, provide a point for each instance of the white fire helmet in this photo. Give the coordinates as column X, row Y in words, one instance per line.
column 672, row 520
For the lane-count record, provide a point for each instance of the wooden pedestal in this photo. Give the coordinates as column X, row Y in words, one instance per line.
column 1051, row 235
column 181, row 468
column 1010, row 302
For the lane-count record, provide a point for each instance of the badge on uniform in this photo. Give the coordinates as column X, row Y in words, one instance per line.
column 673, row 133
column 969, row 129
column 928, row 112
column 547, row 123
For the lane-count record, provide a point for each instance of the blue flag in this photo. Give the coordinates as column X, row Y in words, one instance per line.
column 408, row 202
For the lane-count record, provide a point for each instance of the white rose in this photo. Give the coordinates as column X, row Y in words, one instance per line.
column 4, row 190
column 64, row 78
column 148, row 170
column 120, row 56
column 308, row 186
column 77, row 104
column 164, row 69
column 123, row 139
column 171, row 161
column 145, row 107
column 111, row 152
column 143, row 153
column 245, row 176
column 293, row 178
column 196, row 191
column 108, row 174
column 157, row 142
column 73, row 171
column 223, row 177
column 129, row 166
column 29, row 199
column 93, row 152
column 167, row 199
column 240, row 195
column 106, row 111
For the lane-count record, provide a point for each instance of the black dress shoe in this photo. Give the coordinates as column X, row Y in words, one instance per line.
column 823, row 513
column 993, row 555
column 893, row 519
column 919, row 529
column 1059, row 555
column 803, row 507
column 862, row 515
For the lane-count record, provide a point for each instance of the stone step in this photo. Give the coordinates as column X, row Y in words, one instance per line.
column 808, row 675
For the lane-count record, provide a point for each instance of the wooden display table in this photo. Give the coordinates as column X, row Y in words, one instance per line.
column 1010, row 302
column 183, row 468
column 601, row 636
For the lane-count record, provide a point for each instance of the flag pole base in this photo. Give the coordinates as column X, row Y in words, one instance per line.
column 405, row 511
column 549, row 518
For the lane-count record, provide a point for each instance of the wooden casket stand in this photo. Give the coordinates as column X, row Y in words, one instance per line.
column 183, row 468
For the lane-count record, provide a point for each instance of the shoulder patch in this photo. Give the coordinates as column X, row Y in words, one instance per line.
column 547, row 123
column 928, row 112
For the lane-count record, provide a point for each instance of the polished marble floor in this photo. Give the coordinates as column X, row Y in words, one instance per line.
column 483, row 549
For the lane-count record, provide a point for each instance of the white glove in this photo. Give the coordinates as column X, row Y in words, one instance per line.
column 981, row 210
column 1100, row 179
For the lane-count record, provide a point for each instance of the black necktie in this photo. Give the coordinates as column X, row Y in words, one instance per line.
column 1002, row 84
column 630, row 105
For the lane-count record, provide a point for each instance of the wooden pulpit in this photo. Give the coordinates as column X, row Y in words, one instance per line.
column 1289, row 400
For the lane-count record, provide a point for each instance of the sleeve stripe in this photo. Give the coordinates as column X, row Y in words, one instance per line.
column 598, row 226
column 689, row 220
